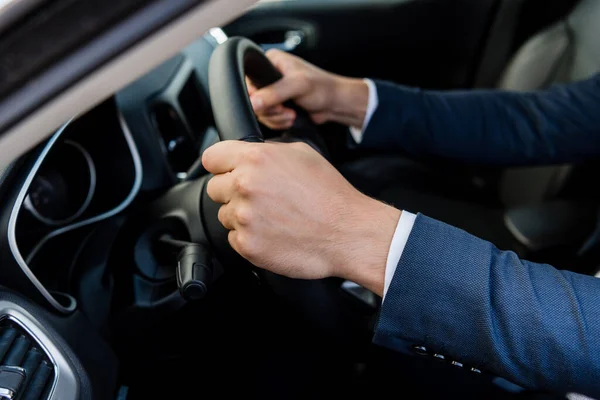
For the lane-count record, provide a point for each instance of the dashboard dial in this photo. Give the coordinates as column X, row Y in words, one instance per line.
column 64, row 187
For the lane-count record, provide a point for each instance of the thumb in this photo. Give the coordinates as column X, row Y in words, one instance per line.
column 277, row 93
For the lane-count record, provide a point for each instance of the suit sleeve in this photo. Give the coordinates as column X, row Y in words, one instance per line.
column 459, row 296
column 559, row 125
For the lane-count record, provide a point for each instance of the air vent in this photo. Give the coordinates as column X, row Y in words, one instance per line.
column 195, row 107
column 179, row 145
column 26, row 371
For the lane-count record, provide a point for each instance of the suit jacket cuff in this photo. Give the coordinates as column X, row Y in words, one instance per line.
column 399, row 107
column 458, row 297
column 429, row 302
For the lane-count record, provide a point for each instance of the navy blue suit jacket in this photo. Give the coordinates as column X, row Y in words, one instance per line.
column 459, row 296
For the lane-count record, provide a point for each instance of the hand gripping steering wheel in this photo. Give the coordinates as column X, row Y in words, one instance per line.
column 231, row 62
column 189, row 202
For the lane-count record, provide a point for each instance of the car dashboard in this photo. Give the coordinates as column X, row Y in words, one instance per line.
column 90, row 170
column 144, row 139
column 64, row 201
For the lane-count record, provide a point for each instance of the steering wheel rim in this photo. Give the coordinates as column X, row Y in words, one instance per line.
column 235, row 120
column 229, row 65
column 232, row 109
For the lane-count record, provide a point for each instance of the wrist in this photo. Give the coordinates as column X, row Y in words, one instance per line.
column 350, row 99
column 366, row 239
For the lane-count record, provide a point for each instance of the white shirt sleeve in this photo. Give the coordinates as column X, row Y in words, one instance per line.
column 407, row 220
column 403, row 229
column 357, row 133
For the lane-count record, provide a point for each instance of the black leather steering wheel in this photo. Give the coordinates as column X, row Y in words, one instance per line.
column 235, row 120
column 230, row 63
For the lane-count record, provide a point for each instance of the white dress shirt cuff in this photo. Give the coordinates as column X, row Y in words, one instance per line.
column 403, row 229
column 357, row 133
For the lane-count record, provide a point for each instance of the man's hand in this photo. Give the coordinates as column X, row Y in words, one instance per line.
column 326, row 96
column 291, row 212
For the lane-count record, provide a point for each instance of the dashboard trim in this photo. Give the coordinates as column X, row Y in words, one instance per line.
column 28, row 203
column 12, row 240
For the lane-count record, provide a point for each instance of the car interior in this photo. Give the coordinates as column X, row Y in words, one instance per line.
column 103, row 219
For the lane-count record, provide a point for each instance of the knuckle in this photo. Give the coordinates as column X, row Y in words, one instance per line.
column 301, row 146
column 210, row 188
column 303, row 77
column 221, row 215
column 246, row 245
column 297, row 77
column 207, row 159
column 276, row 56
column 243, row 215
column 319, row 118
column 242, row 185
column 298, row 145
column 255, row 154
column 273, row 53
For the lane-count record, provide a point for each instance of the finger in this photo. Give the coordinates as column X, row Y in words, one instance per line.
column 250, row 86
column 224, row 156
column 225, row 216
column 232, row 237
column 220, row 188
column 319, row 118
column 285, row 114
column 284, row 89
column 238, row 245
column 278, row 121
column 277, row 127
column 278, row 58
column 276, row 110
column 278, row 117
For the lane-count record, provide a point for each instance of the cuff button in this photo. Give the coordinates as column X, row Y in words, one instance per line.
column 440, row 357
column 475, row 370
column 457, row 364
column 421, row 350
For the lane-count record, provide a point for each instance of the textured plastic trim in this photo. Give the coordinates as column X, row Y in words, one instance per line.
column 12, row 224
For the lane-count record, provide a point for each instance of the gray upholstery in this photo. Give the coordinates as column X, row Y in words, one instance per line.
column 539, row 60
column 565, row 52
column 584, row 22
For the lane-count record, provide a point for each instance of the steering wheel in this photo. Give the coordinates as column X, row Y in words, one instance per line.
column 231, row 62
column 186, row 212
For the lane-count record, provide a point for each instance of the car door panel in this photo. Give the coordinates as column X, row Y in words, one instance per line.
column 426, row 43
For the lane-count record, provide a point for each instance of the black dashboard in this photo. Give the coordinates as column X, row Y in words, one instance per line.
column 76, row 240
column 65, row 202
column 146, row 138
column 87, row 172
column 169, row 113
